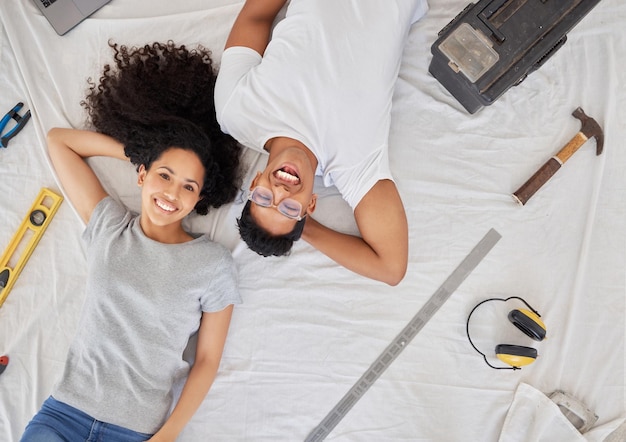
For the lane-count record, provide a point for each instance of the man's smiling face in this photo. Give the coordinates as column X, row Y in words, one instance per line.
column 289, row 174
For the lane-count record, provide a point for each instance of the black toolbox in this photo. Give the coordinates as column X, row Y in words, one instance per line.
column 493, row 45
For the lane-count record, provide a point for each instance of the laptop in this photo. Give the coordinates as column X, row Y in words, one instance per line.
column 63, row 15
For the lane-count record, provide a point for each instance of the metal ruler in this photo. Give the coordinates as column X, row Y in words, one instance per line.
column 26, row 238
column 406, row 335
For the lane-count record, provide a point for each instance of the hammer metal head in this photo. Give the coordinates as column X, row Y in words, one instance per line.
column 590, row 128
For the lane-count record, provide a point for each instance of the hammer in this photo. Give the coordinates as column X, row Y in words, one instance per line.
column 590, row 128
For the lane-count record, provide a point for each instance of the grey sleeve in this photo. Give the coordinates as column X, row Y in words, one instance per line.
column 223, row 289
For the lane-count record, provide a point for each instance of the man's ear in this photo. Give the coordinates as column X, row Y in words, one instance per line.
column 141, row 175
column 311, row 207
column 255, row 180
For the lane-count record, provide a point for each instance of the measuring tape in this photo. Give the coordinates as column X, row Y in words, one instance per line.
column 26, row 238
column 406, row 335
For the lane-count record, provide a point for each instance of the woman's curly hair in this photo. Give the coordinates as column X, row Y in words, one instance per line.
column 160, row 96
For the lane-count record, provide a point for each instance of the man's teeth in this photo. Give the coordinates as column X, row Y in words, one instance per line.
column 285, row 176
column 165, row 206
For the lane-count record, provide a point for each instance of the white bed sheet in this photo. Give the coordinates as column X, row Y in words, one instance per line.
column 308, row 329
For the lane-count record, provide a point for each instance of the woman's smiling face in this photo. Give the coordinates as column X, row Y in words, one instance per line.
column 170, row 188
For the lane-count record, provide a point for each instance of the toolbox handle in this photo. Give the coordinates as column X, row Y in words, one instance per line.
column 485, row 16
column 543, row 59
column 550, row 53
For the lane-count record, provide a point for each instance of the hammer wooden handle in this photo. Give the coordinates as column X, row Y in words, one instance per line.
column 570, row 148
column 534, row 183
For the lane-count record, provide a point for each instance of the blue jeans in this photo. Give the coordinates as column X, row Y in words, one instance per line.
column 59, row 422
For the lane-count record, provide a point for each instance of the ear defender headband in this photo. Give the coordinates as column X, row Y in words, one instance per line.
column 529, row 322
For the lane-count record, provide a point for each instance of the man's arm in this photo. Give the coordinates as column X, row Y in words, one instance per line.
column 211, row 339
column 382, row 251
column 253, row 25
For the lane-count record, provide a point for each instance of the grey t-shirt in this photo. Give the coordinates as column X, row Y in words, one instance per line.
column 144, row 299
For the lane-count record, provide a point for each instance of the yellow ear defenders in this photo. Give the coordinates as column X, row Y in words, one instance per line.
column 529, row 322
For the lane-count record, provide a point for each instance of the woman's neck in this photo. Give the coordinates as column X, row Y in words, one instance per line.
column 171, row 234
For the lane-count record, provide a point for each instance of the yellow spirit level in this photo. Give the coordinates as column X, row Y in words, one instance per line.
column 26, row 238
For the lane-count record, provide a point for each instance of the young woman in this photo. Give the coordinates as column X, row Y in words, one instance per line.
column 150, row 284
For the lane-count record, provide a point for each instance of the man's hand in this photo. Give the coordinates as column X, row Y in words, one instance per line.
column 381, row 252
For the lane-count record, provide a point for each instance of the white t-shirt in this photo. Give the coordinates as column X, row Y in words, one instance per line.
column 326, row 79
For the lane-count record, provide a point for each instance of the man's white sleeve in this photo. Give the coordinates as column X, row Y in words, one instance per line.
column 236, row 62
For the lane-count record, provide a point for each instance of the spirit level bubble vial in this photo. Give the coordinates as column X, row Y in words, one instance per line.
column 26, row 238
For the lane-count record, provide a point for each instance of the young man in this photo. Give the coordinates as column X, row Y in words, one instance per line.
column 315, row 93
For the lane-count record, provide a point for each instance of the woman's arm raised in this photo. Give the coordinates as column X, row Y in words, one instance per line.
column 68, row 149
